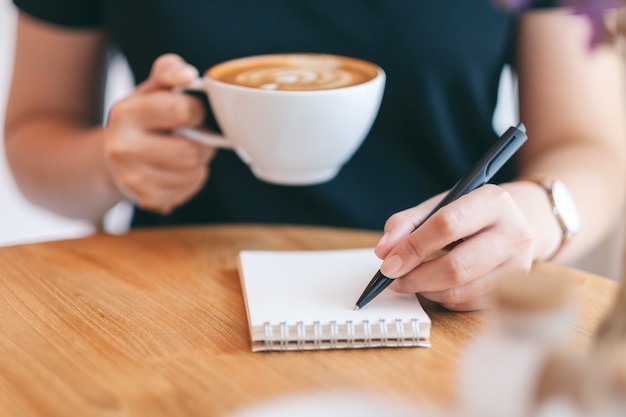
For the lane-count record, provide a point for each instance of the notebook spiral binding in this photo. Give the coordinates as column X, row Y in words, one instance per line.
column 269, row 335
column 367, row 333
column 399, row 332
column 383, row 331
column 334, row 335
column 416, row 331
column 301, row 334
column 317, row 335
column 350, row 333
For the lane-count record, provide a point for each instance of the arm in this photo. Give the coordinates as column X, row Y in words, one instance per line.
column 61, row 156
column 53, row 103
column 571, row 101
column 572, row 97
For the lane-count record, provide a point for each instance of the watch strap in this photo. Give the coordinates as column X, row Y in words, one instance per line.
column 566, row 232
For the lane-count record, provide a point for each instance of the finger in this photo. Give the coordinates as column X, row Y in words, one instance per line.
column 168, row 71
column 460, row 219
column 482, row 303
column 470, row 259
column 476, row 294
column 401, row 224
column 162, row 190
column 158, row 150
column 164, row 200
column 160, row 110
column 473, row 293
column 150, row 178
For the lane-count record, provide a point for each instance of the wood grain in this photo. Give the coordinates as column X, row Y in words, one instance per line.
column 152, row 323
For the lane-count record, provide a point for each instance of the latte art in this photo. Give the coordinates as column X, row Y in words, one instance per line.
column 295, row 79
column 295, row 72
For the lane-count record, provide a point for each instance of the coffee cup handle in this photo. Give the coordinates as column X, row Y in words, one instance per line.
column 203, row 136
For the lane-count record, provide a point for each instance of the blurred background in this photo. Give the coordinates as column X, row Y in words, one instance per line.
column 19, row 220
column 22, row 222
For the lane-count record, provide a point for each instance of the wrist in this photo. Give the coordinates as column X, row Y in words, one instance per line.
column 531, row 198
column 562, row 207
column 110, row 192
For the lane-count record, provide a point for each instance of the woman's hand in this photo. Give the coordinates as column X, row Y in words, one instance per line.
column 154, row 168
column 491, row 235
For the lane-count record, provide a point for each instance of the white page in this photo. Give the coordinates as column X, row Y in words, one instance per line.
column 309, row 286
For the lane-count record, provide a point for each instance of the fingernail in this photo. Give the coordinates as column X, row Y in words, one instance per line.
column 391, row 266
column 184, row 73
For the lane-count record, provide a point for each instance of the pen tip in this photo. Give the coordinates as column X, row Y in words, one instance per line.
column 356, row 308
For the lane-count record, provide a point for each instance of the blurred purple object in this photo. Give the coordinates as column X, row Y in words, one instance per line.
column 517, row 4
column 593, row 10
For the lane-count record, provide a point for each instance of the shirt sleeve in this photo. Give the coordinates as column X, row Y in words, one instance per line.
column 69, row 13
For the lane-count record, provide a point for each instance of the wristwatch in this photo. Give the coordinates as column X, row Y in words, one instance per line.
column 563, row 208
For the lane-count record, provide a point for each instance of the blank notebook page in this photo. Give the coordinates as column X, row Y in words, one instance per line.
column 302, row 300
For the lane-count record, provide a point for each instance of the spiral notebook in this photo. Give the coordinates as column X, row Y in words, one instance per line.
column 304, row 300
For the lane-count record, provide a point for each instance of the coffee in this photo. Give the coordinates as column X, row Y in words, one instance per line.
column 295, row 72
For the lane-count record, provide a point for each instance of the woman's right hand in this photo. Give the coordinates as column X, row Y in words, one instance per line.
column 154, row 168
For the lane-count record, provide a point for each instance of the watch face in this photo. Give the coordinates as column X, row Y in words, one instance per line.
column 566, row 206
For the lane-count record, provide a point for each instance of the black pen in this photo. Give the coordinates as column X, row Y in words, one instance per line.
column 491, row 162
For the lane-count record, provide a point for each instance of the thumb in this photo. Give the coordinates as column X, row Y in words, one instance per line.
column 168, row 71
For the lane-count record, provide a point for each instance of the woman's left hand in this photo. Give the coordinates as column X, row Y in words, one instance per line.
column 490, row 237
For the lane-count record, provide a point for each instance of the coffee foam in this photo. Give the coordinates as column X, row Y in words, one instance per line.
column 294, row 72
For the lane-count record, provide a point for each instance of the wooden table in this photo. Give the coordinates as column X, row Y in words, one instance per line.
column 153, row 323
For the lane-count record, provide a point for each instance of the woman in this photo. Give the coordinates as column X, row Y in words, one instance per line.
column 443, row 63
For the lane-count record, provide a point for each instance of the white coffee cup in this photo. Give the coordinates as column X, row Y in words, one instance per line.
column 295, row 119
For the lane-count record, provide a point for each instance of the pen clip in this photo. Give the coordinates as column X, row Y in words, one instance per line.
column 514, row 138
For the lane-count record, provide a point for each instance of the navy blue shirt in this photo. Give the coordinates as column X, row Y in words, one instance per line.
column 443, row 60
